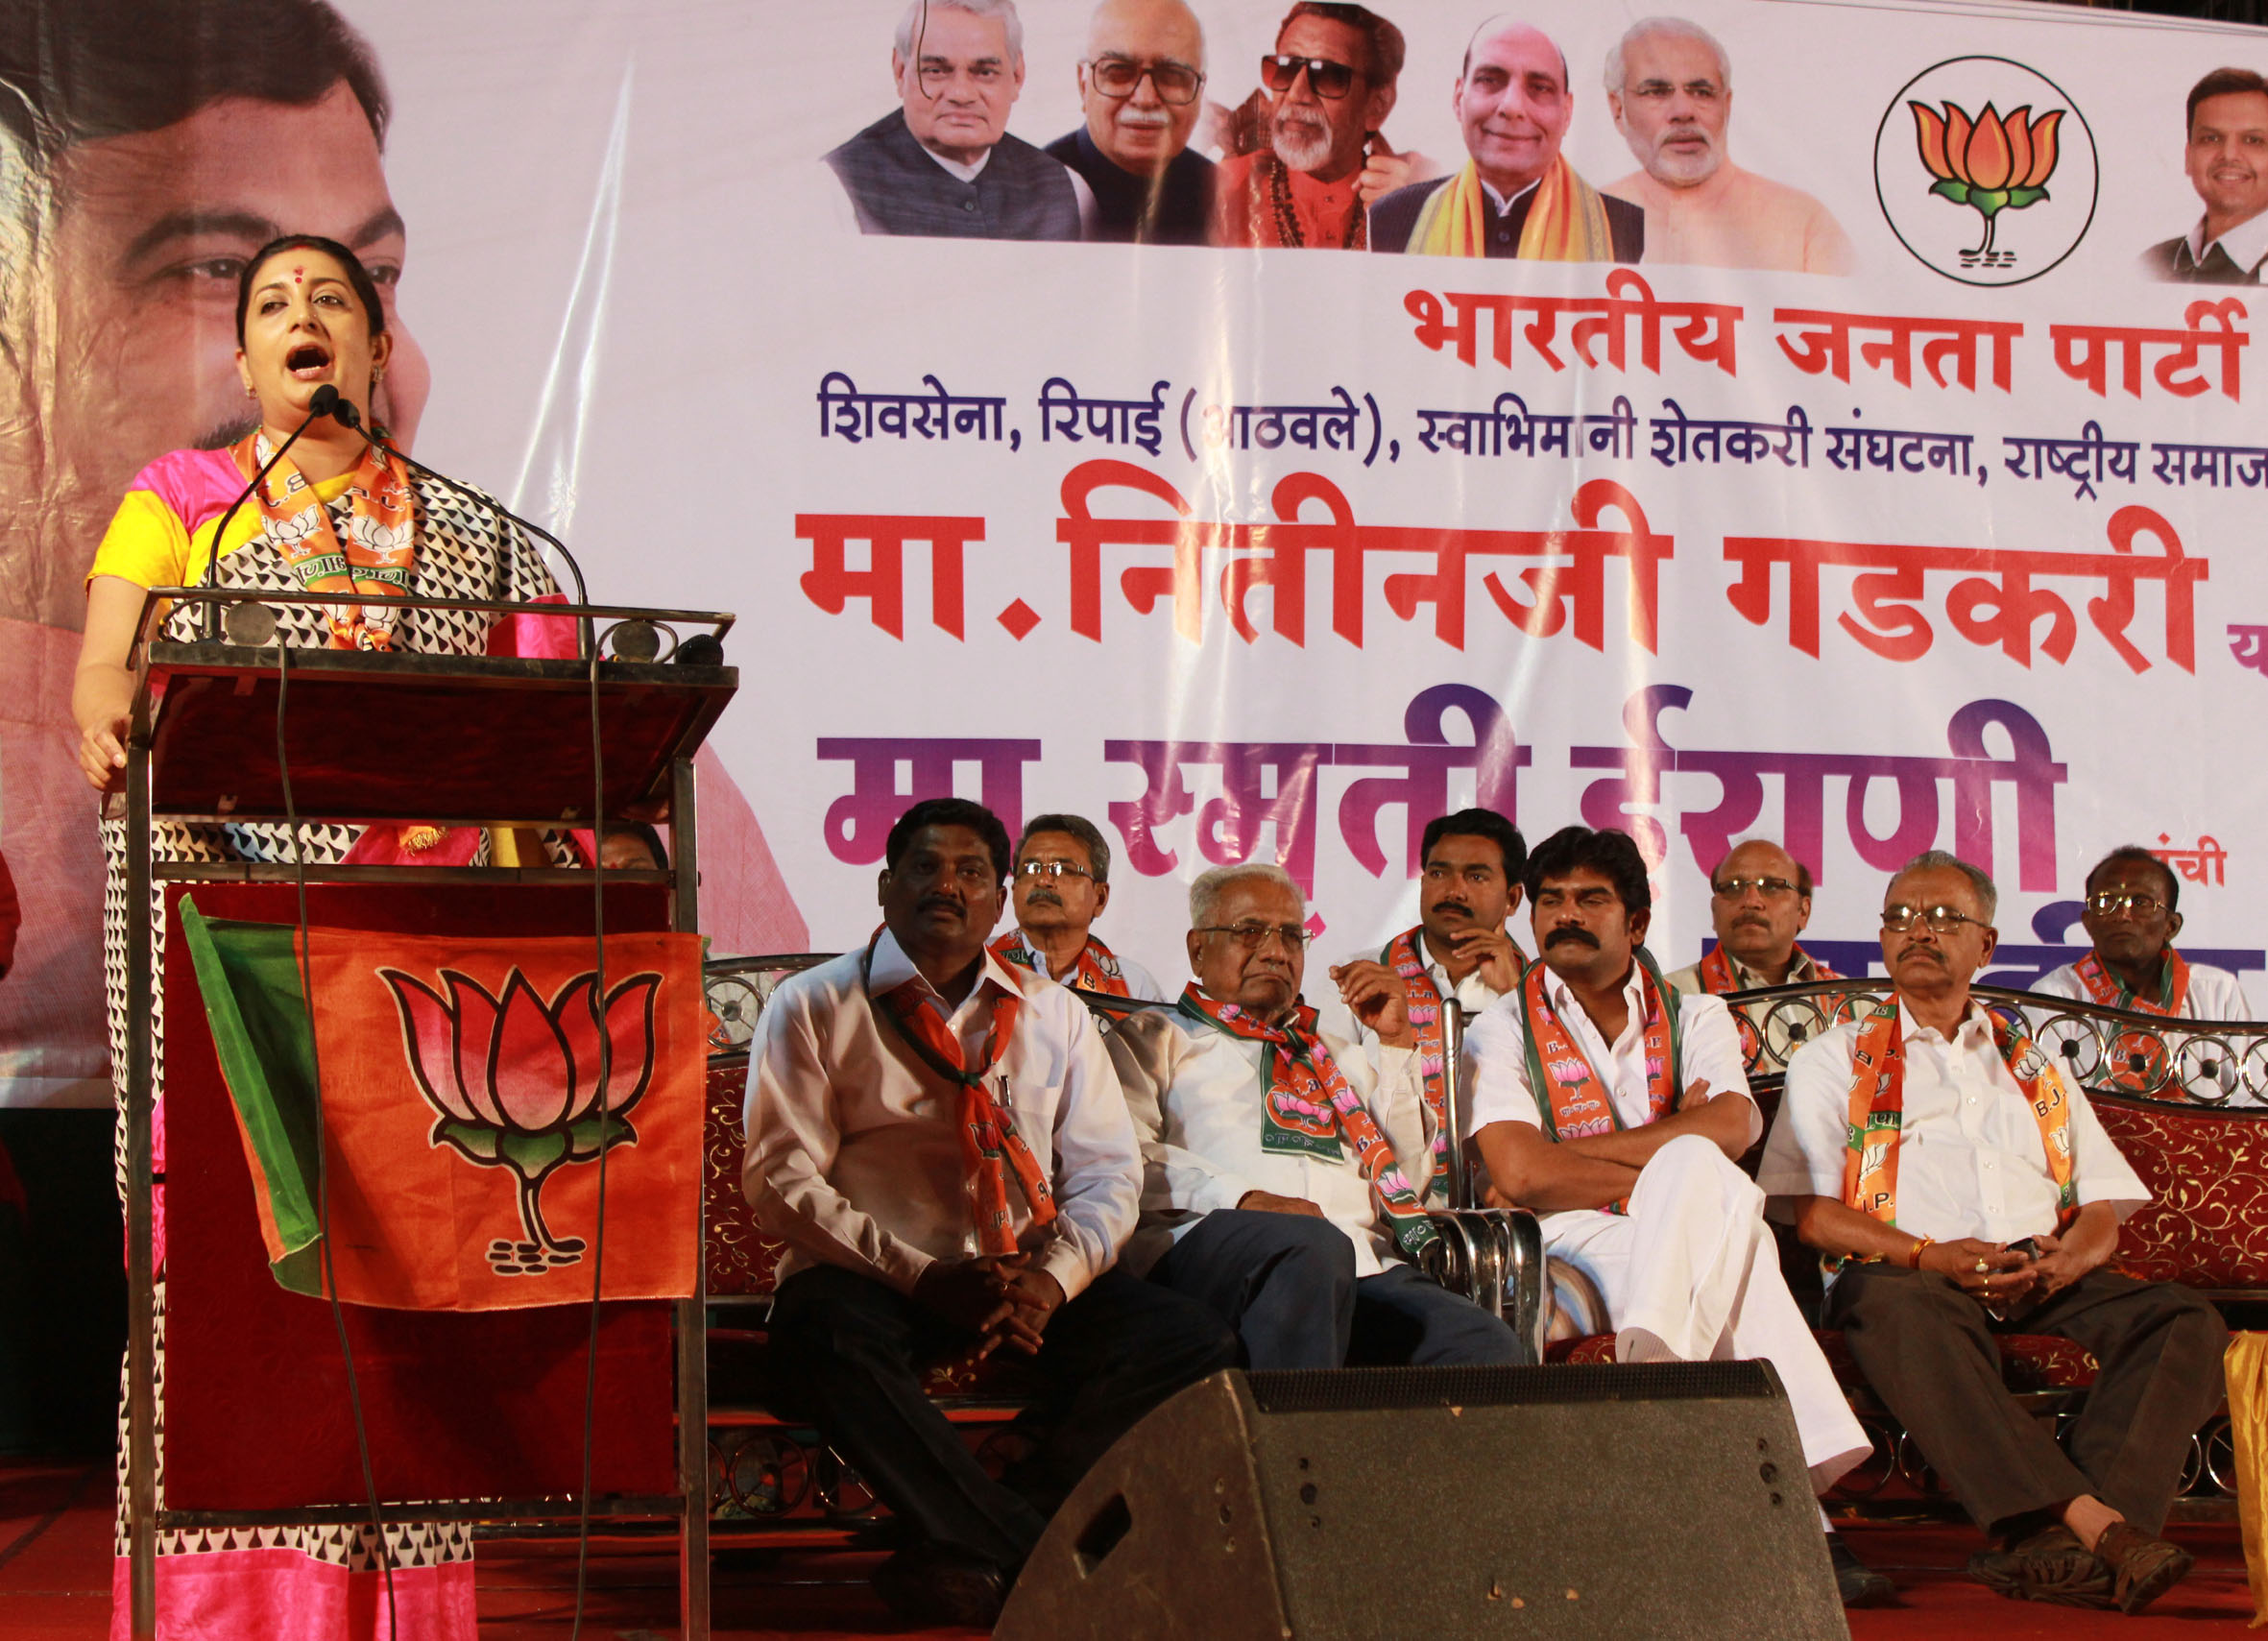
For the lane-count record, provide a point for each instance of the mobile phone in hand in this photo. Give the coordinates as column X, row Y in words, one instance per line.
column 2029, row 1247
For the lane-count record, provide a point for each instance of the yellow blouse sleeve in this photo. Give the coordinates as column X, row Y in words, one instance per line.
column 145, row 543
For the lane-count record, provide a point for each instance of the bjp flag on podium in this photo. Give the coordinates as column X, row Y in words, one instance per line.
column 464, row 1109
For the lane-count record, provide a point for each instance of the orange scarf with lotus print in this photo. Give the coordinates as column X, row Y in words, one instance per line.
column 380, row 555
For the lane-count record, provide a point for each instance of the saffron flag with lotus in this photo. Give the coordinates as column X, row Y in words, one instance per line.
column 470, row 1092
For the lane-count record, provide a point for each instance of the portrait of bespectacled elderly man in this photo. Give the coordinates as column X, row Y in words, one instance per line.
column 942, row 163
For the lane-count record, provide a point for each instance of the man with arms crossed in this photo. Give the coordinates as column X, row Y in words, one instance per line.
column 1062, row 885
column 939, row 1140
column 1273, row 1190
column 1614, row 1108
column 1965, row 1188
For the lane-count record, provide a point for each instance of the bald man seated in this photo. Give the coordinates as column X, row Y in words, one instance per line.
column 1669, row 86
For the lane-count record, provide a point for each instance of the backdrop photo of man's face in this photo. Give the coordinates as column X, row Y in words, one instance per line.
column 135, row 355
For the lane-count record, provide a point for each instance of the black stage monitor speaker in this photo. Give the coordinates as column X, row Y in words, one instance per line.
column 1433, row 1504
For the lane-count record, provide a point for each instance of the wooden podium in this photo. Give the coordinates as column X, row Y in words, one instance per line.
column 472, row 1403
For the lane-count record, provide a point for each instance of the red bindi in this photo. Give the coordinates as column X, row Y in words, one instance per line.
column 299, row 276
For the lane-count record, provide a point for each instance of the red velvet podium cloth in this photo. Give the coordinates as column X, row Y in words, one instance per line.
column 458, row 1405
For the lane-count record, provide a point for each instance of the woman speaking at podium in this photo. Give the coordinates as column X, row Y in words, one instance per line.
column 335, row 513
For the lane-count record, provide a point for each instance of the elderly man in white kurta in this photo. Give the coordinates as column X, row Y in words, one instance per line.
column 1273, row 1188
column 1615, row 1108
column 1963, row 1188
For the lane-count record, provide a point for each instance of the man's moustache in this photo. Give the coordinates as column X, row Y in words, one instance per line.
column 1157, row 120
column 940, row 903
column 1044, row 897
column 1572, row 931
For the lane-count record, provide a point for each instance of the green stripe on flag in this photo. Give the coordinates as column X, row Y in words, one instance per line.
column 249, row 975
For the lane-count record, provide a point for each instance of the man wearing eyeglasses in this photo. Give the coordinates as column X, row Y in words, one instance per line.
column 1759, row 900
column 1330, row 83
column 942, row 163
column 1459, row 953
column 1616, row 1109
column 2131, row 916
column 1140, row 85
column 1274, row 1188
column 1518, row 195
column 1062, row 885
column 938, row 1139
column 1964, row 1188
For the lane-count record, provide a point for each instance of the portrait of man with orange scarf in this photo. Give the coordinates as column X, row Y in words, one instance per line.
column 1518, row 195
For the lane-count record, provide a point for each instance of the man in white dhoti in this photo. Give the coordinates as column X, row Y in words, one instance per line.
column 1615, row 1108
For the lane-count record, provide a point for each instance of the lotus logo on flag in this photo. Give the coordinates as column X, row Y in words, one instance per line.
column 515, row 1082
column 1944, row 139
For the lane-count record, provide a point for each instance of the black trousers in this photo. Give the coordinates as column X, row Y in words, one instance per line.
column 1927, row 1349
column 1287, row 1284
column 849, row 1350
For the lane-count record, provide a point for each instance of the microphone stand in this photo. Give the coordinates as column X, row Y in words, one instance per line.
column 326, row 402
column 349, row 417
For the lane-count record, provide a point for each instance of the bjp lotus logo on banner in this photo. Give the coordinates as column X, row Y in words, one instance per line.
column 1987, row 136
column 516, row 1083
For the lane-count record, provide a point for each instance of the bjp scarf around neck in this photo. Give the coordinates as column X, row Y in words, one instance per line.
column 990, row 1144
column 1877, row 1106
column 377, row 559
column 1307, row 1106
column 1094, row 969
column 1573, row 1100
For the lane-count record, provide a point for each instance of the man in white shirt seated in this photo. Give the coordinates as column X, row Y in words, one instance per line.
column 939, row 1139
column 1614, row 1108
column 2131, row 916
column 1970, row 1190
column 1460, row 950
column 1062, row 885
column 1759, row 902
column 1272, row 1189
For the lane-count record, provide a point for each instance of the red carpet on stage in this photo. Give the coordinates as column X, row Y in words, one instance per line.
column 54, row 1583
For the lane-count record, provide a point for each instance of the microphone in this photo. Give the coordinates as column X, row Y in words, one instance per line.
column 325, row 401
column 349, row 417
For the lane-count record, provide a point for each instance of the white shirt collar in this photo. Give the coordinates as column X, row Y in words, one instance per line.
column 2247, row 243
column 1502, row 203
column 1976, row 1030
column 892, row 968
column 966, row 173
column 1563, row 996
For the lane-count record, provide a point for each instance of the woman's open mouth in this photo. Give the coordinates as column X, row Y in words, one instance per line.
column 307, row 362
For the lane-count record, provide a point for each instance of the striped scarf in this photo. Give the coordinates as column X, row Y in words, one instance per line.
column 1306, row 1108
column 1566, row 220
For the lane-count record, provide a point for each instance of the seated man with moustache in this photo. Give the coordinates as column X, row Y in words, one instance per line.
column 939, row 1140
column 1273, row 1187
column 1062, row 885
column 1460, row 952
column 1614, row 1108
column 1963, row 1188
column 1759, row 900
column 2131, row 916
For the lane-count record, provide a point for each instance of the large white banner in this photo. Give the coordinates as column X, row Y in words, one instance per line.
column 1274, row 553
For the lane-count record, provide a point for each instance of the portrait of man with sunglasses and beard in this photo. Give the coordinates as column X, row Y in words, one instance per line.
column 1330, row 85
